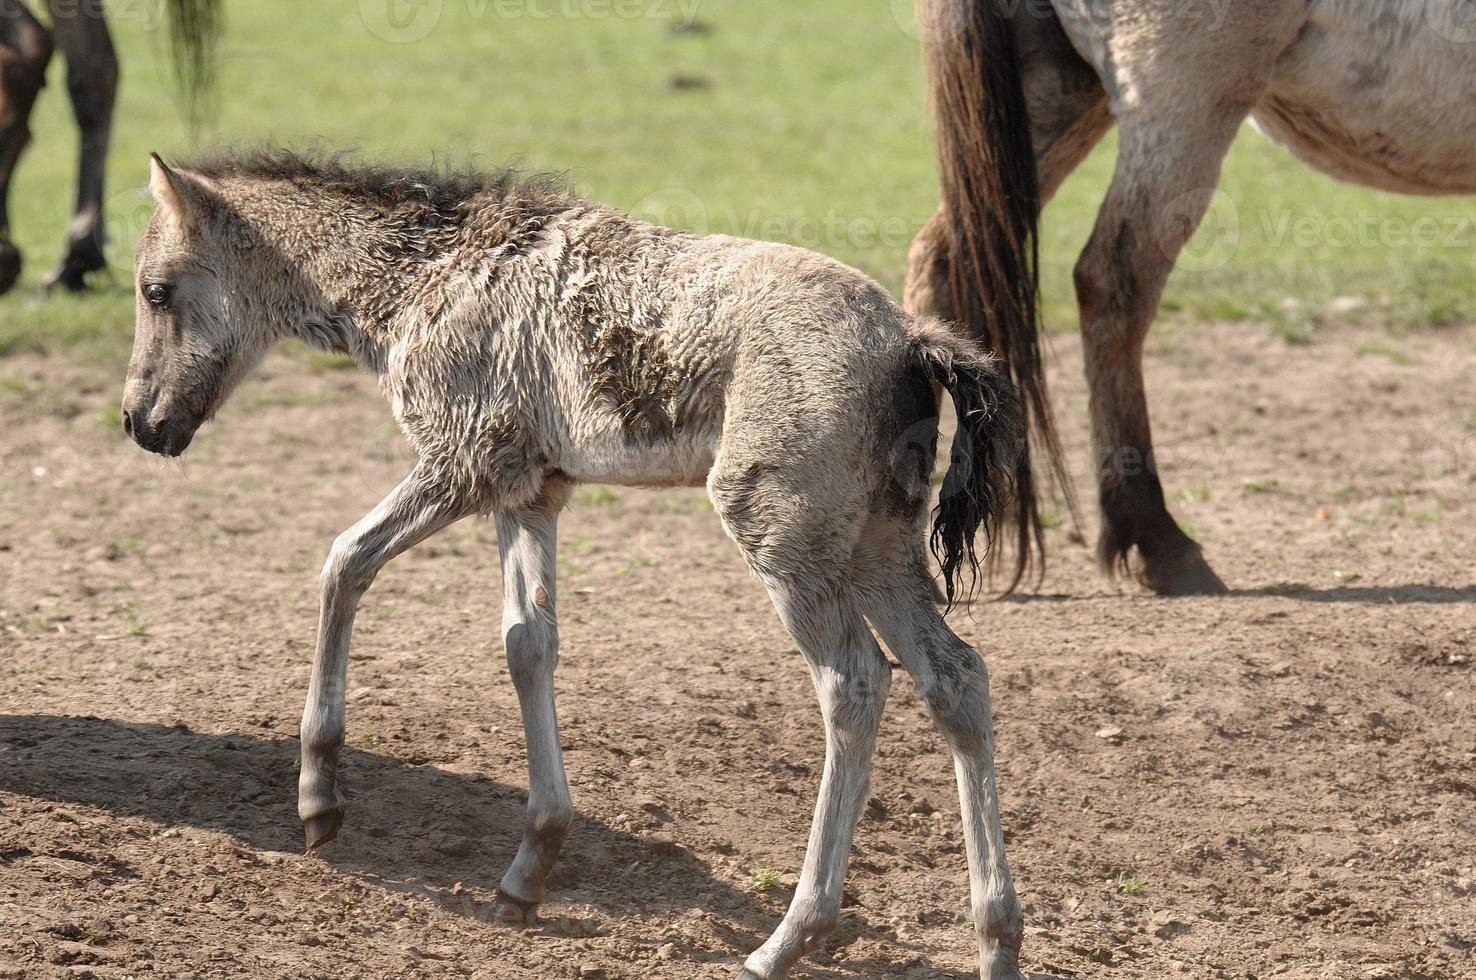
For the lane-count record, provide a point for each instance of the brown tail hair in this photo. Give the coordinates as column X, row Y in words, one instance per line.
column 194, row 29
column 991, row 202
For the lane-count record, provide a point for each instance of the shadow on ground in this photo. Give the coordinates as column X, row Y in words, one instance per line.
column 1298, row 591
column 410, row 827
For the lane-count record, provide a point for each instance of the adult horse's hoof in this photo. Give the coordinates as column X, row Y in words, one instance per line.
column 1186, row 574
column 10, row 265
column 321, row 828
column 83, row 256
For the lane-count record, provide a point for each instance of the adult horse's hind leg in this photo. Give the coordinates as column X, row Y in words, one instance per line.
column 417, row 508
column 1168, row 166
column 897, row 592
column 530, row 632
column 25, row 49
column 801, row 561
column 92, row 82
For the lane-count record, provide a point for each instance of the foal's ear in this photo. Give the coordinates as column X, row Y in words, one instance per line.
column 178, row 195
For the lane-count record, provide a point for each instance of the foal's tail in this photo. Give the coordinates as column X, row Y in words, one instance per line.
column 991, row 202
column 986, row 447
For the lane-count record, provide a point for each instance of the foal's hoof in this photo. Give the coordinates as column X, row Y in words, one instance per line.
column 321, row 828
column 514, row 911
column 10, row 265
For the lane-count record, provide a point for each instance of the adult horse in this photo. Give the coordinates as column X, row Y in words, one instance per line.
column 1372, row 91
column 79, row 28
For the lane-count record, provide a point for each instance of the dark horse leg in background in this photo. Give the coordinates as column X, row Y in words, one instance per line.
column 81, row 31
column 25, row 49
column 92, row 83
column 1172, row 141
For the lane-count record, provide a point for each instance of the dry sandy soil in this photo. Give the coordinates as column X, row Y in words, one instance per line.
column 1276, row 783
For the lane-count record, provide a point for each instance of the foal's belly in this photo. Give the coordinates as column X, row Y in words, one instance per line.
column 680, row 460
column 1380, row 92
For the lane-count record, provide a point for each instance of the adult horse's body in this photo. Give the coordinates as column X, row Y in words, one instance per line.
column 1373, row 91
column 81, row 31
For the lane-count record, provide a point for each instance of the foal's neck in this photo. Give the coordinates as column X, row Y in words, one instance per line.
column 352, row 278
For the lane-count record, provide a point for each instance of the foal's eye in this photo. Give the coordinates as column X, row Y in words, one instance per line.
column 156, row 293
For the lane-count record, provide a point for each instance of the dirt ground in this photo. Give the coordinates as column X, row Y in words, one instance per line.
column 1276, row 783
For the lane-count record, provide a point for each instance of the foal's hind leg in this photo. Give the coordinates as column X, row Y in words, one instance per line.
column 952, row 679
column 530, row 632
column 799, row 559
column 851, row 678
column 25, row 48
column 92, row 82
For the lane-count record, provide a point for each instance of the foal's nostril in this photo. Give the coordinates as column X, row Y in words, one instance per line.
column 128, row 423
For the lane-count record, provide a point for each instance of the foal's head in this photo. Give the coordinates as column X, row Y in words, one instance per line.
column 195, row 331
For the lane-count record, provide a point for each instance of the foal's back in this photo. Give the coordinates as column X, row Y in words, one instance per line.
column 654, row 337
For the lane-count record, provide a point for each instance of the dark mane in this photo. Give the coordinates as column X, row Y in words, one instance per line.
column 441, row 187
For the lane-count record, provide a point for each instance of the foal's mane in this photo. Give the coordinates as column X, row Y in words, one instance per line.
column 440, row 186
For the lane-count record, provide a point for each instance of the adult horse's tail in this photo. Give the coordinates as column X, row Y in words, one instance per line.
column 194, row 29
column 991, row 202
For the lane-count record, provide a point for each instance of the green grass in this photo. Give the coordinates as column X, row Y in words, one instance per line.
column 1130, row 884
column 766, row 879
column 796, row 121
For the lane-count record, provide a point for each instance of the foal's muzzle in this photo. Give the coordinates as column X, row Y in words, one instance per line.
column 165, row 436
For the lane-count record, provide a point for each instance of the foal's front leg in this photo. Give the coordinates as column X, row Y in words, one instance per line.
column 413, row 511
column 527, row 538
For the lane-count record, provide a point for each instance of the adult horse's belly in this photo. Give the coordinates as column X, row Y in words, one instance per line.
column 1380, row 92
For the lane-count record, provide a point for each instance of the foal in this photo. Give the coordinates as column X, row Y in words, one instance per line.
column 529, row 341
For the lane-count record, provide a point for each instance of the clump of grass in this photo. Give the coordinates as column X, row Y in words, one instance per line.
column 1198, row 492
column 1130, row 884
column 766, row 879
column 1380, row 348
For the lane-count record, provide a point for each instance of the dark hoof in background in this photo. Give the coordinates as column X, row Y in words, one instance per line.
column 83, row 257
column 10, row 265
column 1186, row 574
column 322, row 828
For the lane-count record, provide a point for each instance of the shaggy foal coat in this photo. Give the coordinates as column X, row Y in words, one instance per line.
column 529, row 341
